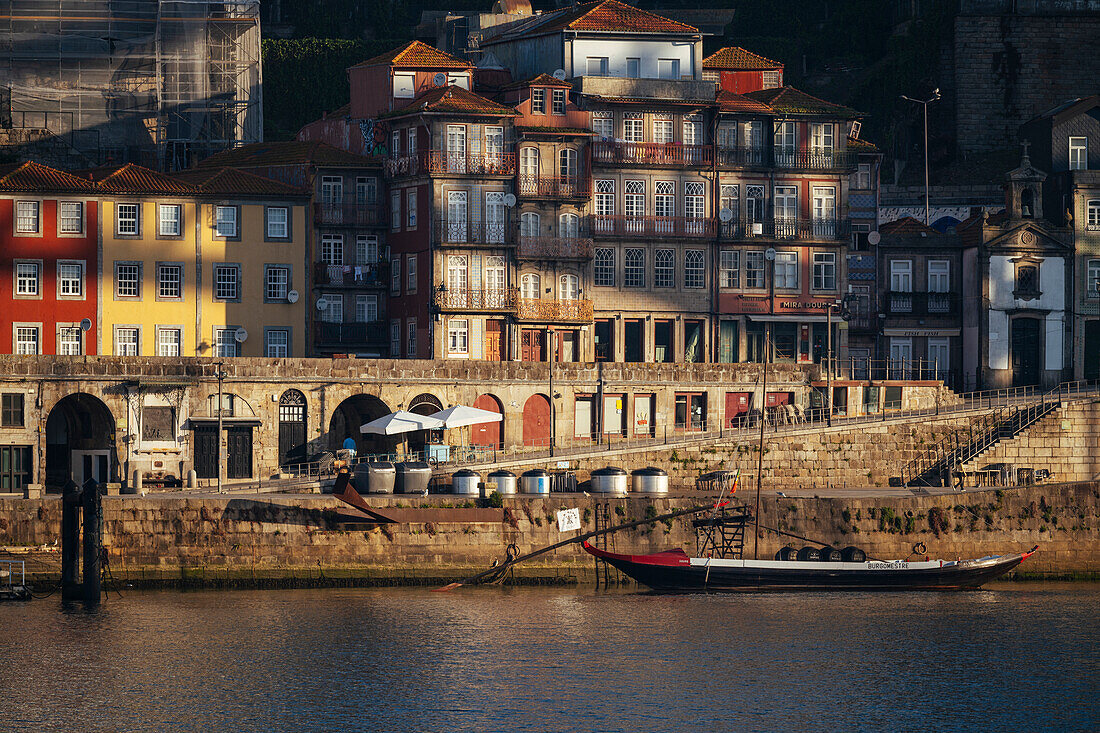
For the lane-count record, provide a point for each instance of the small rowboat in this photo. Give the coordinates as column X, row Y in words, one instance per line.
column 675, row 571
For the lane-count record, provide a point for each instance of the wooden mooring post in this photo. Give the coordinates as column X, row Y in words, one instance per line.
column 82, row 503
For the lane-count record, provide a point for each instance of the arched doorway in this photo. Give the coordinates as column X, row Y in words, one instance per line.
column 80, row 441
column 292, row 427
column 424, row 404
column 488, row 434
column 536, row 422
column 350, row 415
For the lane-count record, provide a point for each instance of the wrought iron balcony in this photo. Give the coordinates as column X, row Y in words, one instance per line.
column 656, row 154
column 739, row 156
column 406, row 165
column 464, row 231
column 554, row 248
column 546, row 310
column 471, row 164
column 814, row 159
column 921, row 304
column 475, row 299
column 348, row 213
column 814, row 230
column 361, row 275
column 369, row 334
column 650, row 226
column 552, row 187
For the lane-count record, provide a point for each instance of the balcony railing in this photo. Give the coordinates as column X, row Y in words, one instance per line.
column 922, row 304
column 740, row 156
column 655, row 226
column 406, row 165
column 546, row 310
column 657, row 154
column 473, row 232
column 348, row 213
column 371, row 333
column 475, row 299
column 818, row 230
column 561, row 187
column 362, row 275
column 814, row 159
column 554, row 248
column 472, row 164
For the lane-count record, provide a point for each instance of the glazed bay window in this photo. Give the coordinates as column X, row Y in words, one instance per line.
column 126, row 220
column 70, row 279
column 277, row 283
column 169, row 218
column 26, row 340
column 754, row 270
column 664, row 268
column 634, row 268
column 26, row 217
column 277, row 344
column 27, row 279
column 278, row 222
column 458, row 336
column 694, row 269
column 168, row 341
column 604, row 267
column 169, row 282
column 127, row 280
column 824, row 267
column 729, row 268
column 226, row 282
column 786, row 270
column 68, row 341
column 126, row 342
column 538, row 101
column 71, row 217
column 225, row 218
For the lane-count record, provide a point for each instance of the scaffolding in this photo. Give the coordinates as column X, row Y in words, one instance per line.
column 158, row 82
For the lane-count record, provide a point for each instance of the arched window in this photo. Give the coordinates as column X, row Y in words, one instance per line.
column 529, row 161
column 569, row 226
column 568, row 287
column 529, row 224
column 567, row 163
column 529, row 286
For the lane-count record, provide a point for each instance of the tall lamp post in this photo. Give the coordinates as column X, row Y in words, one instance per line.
column 844, row 309
column 924, row 103
column 220, row 374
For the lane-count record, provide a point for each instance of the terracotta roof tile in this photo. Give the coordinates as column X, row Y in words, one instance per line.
column 456, row 100
column 548, row 130
column 542, row 80
column 788, row 100
column 856, row 145
column 133, row 178
column 606, row 16
column 295, row 152
column 906, row 225
column 730, row 102
column 417, row 54
column 31, row 177
column 232, row 182
column 735, row 57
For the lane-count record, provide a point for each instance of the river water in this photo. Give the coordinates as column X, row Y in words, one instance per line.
column 1016, row 656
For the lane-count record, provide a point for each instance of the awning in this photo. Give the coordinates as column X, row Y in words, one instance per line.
column 461, row 415
column 792, row 318
column 400, row 422
column 921, row 331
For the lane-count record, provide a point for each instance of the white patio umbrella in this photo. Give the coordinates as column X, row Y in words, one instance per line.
column 461, row 415
column 399, row 423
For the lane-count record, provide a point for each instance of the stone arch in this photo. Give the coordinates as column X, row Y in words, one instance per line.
column 293, row 413
column 488, row 434
column 537, row 421
column 353, row 413
column 80, row 444
column 424, row 404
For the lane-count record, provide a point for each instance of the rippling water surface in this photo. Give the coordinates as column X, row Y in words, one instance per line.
column 1013, row 657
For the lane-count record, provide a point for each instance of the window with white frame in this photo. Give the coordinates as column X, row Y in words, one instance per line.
column 225, row 342
column 458, row 336
column 26, row 340
column 569, row 226
column 395, row 142
column 557, row 102
column 68, row 340
column 127, row 280
column 664, row 199
column 278, row 343
column 633, row 124
column 595, row 66
column 731, row 199
column 278, row 222
column 366, row 249
column 332, row 191
column 538, row 101
column 170, row 282
column 786, row 270
column 169, row 218
column 694, row 203
column 126, row 341
column 404, row 86
column 567, row 163
column 664, row 268
column 71, row 217
column 1092, row 214
column 28, row 277
column 410, row 140
column 939, row 354
column 169, row 341
column 772, row 79
column 70, row 279
column 410, row 343
column 410, row 209
column 784, row 143
column 604, row 267
column 410, row 273
column 457, row 273
column 529, row 286
column 824, row 270
column 225, row 218
column 277, row 283
column 366, row 190
column 634, row 268
column 727, row 136
column 1078, row 153
column 568, row 287
column 821, row 138
column 861, row 180
column 604, row 203
column 529, row 224
column 662, row 129
column 495, row 275
column 331, row 307
column 634, row 200
column 366, row 308
column 729, row 268
column 694, row 269
column 786, row 205
column 603, row 124
column 901, row 276
column 395, row 337
column 668, row 68
column 693, row 134
column 395, row 211
column 755, row 273
column 395, row 275
column 1092, row 284
column 939, row 276
column 332, row 249
column 26, row 217
column 227, row 282
column 126, row 220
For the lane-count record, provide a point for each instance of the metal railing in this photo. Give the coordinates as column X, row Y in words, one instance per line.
column 359, row 274
column 348, row 212
column 737, row 156
column 472, row 164
column 8, row 571
column 826, row 230
column 540, row 186
column 554, row 248
column 465, row 231
column 650, row 226
column 546, row 310
column 483, row 299
column 813, row 159
column 407, row 165
column 899, row 303
column 658, row 154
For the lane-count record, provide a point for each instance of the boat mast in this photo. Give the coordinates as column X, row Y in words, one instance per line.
column 760, row 448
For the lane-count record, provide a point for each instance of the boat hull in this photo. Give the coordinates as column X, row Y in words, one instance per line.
column 675, row 572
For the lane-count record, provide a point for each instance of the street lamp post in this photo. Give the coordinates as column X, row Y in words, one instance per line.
column 844, row 308
column 220, row 374
column 924, row 103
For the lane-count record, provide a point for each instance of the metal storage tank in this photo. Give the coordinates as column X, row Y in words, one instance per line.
column 465, row 482
column 413, row 477
column 506, row 482
column 609, row 480
column 535, row 481
column 649, row 481
column 381, row 477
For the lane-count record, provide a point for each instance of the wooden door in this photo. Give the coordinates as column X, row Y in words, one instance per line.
column 737, row 404
column 1092, row 350
column 531, row 345
column 1027, row 352
column 206, row 451
column 536, row 422
column 488, row 434
column 494, row 330
column 238, row 457
column 292, row 428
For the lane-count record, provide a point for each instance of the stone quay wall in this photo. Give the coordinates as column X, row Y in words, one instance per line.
column 221, row 541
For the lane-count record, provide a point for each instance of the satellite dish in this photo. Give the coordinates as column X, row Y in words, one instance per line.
column 322, row 305
column 874, row 238
column 439, row 79
column 292, row 296
column 726, row 215
column 509, row 200
column 241, row 335
column 559, row 74
column 769, row 254
column 86, row 325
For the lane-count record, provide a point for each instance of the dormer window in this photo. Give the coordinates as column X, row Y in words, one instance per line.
column 404, row 86
column 1027, row 280
column 773, row 79
column 538, row 101
column 557, row 105
column 459, row 80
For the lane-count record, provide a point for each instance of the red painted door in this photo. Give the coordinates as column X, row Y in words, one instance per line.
column 536, row 421
column 487, row 434
column 778, row 398
column 737, row 404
